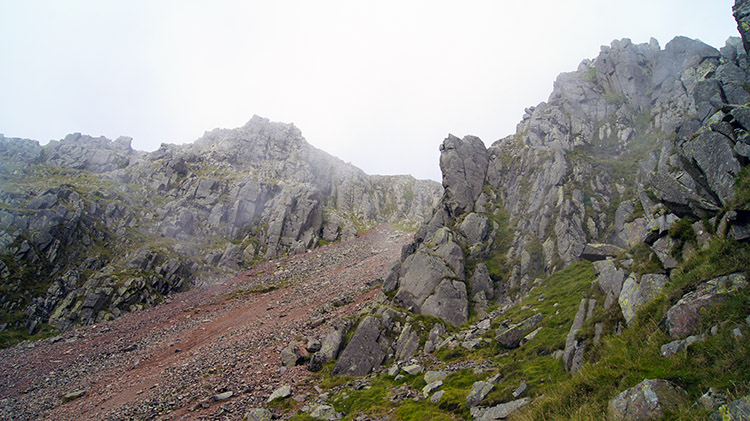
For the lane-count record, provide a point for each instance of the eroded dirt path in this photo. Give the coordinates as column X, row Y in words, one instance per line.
column 169, row 361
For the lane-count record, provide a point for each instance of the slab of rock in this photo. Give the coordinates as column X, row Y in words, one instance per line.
column 223, row 396
column 280, row 393
column 735, row 410
column 479, row 391
column 406, row 344
column 684, row 317
column 73, row 395
column 598, row 251
column 499, row 412
column 413, row 369
column 636, row 293
column 610, row 280
column 510, row 337
column 259, row 414
column 365, row 351
column 433, row 376
column 573, row 346
column 647, row 400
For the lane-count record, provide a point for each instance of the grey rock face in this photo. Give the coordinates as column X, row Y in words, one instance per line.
column 610, row 280
column 449, row 302
column 365, row 351
column 636, row 293
column 420, row 274
column 464, row 166
column 646, row 400
column 683, row 318
column 406, row 344
column 231, row 198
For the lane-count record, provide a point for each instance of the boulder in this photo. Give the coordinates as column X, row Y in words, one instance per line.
column 365, row 351
column 684, row 317
column 573, row 353
column 434, row 376
column 479, row 391
column 510, row 337
column 325, row 412
column 636, row 293
column 331, row 344
column 647, row 400
column 431, row 387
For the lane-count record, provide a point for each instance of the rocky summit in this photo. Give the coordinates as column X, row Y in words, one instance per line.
column 593, row 265
column 90, row 228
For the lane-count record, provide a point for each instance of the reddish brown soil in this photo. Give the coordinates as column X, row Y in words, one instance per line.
column 169, row 361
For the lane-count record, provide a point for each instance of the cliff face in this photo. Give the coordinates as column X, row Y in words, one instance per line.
column 625, row 146
column 90, row 228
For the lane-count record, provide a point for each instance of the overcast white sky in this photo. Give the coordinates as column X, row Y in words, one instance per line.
column 376, row 83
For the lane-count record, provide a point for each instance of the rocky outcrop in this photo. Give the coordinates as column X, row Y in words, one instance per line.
column 637, row 292
column 82, row 211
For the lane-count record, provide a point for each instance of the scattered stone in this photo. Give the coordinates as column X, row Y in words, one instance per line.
column 394, row 370
column 647, row 400
column 499, row 412
column 479, row 391
column 280, row 393
column 223, row 396
column 519, row 391
column 73, row 395
column 431, row 387
column 674, row 347
column 437, row 396
column 510, row 337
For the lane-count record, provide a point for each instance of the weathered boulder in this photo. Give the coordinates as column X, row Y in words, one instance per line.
column 647, row 400
column 511, row 336
column 258, row 414
column 635, row 293
column 672, row 348
column 325, row 412
column 449, row 302
column 684, row 317
column 365, row 351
